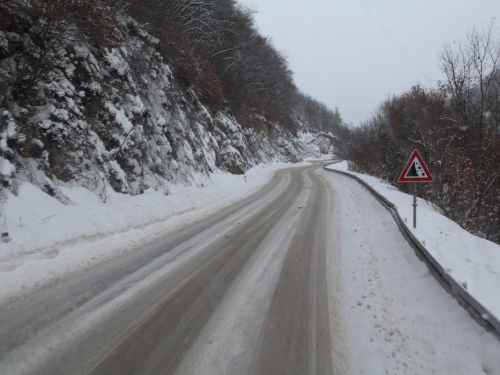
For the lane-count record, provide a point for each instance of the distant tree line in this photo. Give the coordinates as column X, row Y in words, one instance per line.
column 216, row 49
column 455, row 127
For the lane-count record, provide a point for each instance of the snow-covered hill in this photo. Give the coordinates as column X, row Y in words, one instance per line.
column 119, row 119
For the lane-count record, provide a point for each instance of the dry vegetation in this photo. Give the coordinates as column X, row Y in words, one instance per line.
column 457, row 130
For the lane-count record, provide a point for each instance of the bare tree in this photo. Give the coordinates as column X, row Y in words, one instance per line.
column 470, row 70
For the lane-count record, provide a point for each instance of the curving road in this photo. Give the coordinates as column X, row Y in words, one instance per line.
column 242, row 292
column 309, row 276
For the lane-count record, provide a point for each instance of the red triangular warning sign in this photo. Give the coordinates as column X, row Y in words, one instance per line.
column 415, row 170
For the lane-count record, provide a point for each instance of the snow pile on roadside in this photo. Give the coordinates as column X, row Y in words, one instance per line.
column 472, row 261
column 51, row 240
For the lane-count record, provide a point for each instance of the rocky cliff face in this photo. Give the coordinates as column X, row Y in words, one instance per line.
column 118, row 118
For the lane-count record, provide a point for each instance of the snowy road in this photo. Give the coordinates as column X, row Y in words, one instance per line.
column 309, row 276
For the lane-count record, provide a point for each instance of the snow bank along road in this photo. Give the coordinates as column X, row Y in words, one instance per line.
column 309, row 276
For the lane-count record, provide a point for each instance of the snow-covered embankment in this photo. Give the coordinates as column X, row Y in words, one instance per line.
column 472, row 262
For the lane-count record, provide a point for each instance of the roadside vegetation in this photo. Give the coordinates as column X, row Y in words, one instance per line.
column 456, row 128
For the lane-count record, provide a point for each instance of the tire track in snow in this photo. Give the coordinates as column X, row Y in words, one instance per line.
column 75, row 319
column 160, row 343
column 295, row 339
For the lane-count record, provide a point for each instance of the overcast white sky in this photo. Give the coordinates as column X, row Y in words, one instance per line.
column 355, row 53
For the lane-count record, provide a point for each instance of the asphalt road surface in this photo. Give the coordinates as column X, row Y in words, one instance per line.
column 309, row 276
column 244, row 291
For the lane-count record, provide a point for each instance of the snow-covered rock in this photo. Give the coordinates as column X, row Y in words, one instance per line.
column 118, row 117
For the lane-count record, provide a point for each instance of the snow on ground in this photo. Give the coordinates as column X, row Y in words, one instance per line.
column 50, row 240
column 472, row 261
column 388, row 313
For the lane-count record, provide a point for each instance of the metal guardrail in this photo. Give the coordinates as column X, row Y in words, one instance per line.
column 477, row 311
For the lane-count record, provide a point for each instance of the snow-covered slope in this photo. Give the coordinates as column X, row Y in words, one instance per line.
column 119, row 118
column 473, row 262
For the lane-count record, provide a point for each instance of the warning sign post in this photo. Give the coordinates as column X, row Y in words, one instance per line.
column 415, row 171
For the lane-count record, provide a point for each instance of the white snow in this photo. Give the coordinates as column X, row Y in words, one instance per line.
column 120, row 117
column 388, row 313
column 472, row 261
column 51, row 240
column 6, row 167
column 116, row 61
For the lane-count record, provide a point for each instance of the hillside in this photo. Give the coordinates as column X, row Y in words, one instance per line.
column 114, row 113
